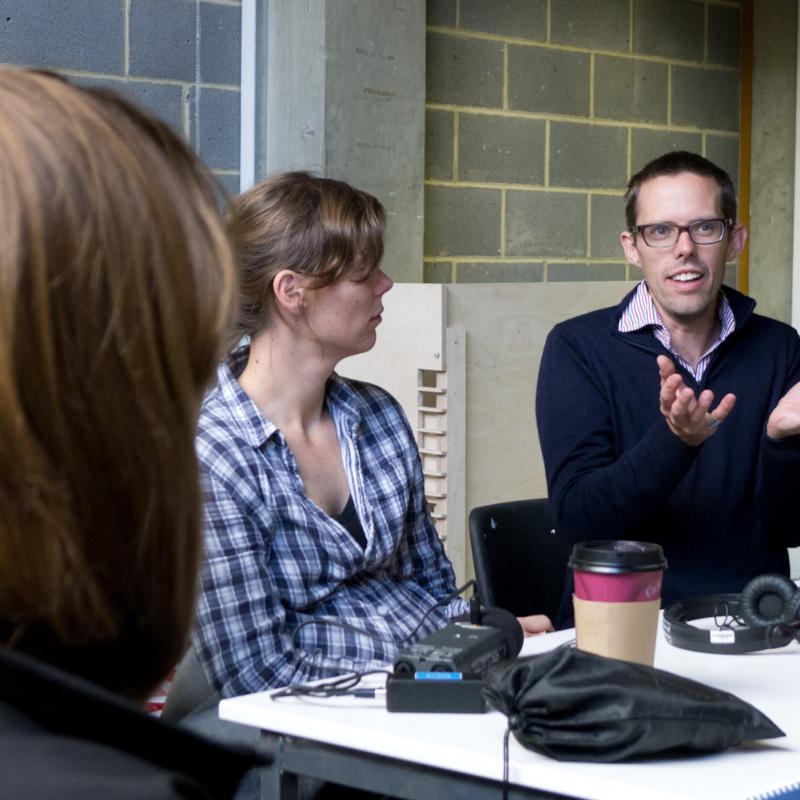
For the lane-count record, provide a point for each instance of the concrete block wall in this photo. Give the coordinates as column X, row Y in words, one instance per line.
column 539, row 111
column 179, row 58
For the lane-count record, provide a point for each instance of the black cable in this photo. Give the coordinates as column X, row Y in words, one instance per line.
column 451, row 596
column 319, row 690
column 342, row 686
column 729, row 619
column 505, row 762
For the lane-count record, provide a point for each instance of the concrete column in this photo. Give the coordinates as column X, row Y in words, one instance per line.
column 772, row 159
column 346, row 98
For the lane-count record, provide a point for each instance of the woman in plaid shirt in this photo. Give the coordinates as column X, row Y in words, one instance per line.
column 315, row 511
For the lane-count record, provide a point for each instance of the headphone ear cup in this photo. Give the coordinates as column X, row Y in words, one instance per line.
column 792, row 611
column 764, row 599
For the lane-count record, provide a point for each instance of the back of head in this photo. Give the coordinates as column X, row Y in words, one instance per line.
column 318, row 227
column 674, row 163
column 116, row 285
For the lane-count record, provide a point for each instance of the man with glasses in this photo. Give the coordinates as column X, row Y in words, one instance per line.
column 675, row 416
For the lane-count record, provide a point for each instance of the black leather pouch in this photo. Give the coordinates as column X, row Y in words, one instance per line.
column 575, row 706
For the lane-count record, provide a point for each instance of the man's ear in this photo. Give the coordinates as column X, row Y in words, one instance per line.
column 289, row 289
column 736, row 239
column 628, row 242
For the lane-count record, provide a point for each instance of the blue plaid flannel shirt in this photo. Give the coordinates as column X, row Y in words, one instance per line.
column 274, row 559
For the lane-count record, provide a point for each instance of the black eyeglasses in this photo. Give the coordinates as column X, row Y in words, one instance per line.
column 666, row 234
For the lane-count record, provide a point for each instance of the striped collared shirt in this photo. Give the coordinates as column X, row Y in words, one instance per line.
column 641, row 312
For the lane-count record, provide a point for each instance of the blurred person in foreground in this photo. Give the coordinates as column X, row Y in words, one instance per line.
column 116, row 285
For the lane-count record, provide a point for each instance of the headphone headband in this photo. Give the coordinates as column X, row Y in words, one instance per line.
column 679, row 633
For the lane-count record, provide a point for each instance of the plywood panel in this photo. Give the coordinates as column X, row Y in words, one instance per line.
column 506, row 329
column 457, row 548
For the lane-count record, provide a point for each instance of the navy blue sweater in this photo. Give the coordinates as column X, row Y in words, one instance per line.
column 724, row 511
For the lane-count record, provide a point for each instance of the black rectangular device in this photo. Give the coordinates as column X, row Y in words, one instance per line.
column 449, row 695
column 442, row 672
column 461, row 647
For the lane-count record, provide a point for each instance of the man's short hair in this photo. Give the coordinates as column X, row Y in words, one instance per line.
column 673, row 163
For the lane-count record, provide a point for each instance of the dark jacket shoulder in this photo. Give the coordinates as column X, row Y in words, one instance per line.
column 65, row 738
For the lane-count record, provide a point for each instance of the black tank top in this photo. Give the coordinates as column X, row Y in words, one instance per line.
column 349, row 520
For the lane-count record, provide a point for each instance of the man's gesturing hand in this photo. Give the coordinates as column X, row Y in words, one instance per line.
column 689, row 417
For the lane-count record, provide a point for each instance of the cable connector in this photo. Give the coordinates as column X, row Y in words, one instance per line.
column 475, row 615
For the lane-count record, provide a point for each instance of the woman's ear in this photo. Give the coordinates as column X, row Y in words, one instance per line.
column 289, row 290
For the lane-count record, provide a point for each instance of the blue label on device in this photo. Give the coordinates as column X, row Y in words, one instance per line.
column 437, row 676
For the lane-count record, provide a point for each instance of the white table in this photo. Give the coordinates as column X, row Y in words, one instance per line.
column 357, row 742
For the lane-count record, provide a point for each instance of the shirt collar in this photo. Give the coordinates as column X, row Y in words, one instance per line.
column 341, row 399
column 641, row 312
column 254, row 427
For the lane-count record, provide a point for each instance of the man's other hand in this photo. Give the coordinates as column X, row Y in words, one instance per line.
column 785, row 418
column 690, row 417
column 535, row 623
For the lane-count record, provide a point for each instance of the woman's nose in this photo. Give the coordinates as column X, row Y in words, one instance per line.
column 384, row 282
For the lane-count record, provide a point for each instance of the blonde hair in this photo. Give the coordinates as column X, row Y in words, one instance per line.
column 318, row 227
column 116, row 286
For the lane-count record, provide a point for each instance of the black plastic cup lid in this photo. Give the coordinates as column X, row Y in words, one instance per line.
column 612, row 556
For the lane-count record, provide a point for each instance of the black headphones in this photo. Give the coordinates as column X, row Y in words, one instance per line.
column 769, row 605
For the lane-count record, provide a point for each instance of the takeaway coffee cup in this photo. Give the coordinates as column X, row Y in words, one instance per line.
column 617, row 597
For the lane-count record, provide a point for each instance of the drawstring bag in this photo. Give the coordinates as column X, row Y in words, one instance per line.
column 576, row 706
